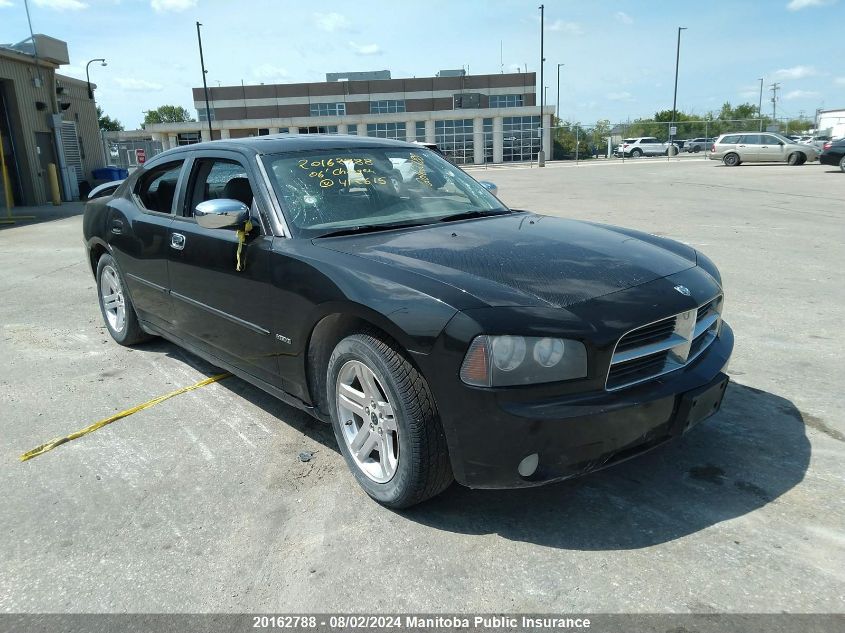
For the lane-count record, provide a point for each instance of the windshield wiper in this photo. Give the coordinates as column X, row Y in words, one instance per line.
column 474, row 214
column 369, row 228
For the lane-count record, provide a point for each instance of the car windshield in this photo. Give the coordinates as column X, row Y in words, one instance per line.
column 373, row 188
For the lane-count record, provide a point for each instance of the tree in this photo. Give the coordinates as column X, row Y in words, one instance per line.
column 167, row 114
column 107, row 123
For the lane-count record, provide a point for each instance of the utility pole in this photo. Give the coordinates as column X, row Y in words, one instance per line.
column 760, row 105
column 204, row 83
column 774, row 88
column 541, row 156
column 557, row 103
column 675, row 97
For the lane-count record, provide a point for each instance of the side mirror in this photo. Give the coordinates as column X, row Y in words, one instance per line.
column 223, row 213
column 489, row 186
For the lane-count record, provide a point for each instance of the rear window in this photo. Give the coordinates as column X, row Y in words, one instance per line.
column 629, row 140
column 730, row 139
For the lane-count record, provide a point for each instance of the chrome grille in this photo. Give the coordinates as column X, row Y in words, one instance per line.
column 663, row 346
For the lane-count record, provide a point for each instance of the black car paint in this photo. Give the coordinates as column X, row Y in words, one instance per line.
column 432, row 289
column 833, row 154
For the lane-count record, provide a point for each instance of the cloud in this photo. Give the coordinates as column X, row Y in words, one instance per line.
column 269, row 73
column 138, row 85
column 164, row 6
column 797, row 5
column 62, row 5
column 800, row 94
column 570, row 28
column 796, row 72
column 365, row 49
column 840, row 81
column 623, row 17
column 331, row 22
column 4, row 4
column 620, row 96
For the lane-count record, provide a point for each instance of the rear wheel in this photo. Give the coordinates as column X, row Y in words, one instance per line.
column 731, row 160
column 386, row 423
column 115, row 305
column 795, row 158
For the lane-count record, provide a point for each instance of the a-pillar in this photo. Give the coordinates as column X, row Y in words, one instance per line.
column 498, row 139
column 478, row 141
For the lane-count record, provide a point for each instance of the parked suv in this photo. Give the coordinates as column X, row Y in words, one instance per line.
column 756, row 147
column 642, row 146
column 699, row 144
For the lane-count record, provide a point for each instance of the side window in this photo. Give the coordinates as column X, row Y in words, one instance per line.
column 214, row 178
column 156, row 189
column 751, row 139
column 770, row 140
column 730, row 140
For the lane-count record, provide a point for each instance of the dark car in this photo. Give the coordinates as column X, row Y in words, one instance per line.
column 377, row 286
column 834, row 154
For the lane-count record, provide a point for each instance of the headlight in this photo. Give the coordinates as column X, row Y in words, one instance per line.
column 499, row 361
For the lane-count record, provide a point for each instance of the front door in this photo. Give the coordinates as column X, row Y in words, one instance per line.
column 771, row 149
column 223, row 310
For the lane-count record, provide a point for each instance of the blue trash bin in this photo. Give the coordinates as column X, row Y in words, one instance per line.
column 110, row 173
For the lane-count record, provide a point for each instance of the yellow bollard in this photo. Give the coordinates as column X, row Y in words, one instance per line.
column 53, row 178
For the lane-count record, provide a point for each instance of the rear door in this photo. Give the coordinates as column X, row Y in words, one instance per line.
column 216, row 307
column 749, row 147
column 139, row 233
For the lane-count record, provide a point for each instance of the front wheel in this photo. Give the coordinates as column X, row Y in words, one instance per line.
column 795, row 158
column 842, row 164
column 386, row 423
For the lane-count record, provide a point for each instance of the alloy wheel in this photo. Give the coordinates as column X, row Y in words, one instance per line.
column 368, row 422
column 111, row 295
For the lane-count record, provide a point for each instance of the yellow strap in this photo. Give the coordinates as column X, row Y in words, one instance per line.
column 117, row 416
column 239, row 264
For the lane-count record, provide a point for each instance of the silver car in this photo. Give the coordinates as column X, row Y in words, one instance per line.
column 761, row 147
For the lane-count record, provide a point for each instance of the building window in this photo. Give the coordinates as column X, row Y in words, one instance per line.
column 387, row 106
column 467, row 101
column 455, row 139
column 328, row 109
column 352, row 129
column 505, row 101
column 387, row 130
column 521, row 138
column 420, row 135
column 203, row 116
column 188, row 138
column 284, row 130
column 263, row 131
column 319, row 129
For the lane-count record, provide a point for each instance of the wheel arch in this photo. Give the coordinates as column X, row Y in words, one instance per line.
column 96, row 249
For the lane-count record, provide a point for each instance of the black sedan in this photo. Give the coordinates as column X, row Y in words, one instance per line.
column 382, row 289
column 834, row 154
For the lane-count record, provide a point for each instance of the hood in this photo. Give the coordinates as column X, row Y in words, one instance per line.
column 521, row 259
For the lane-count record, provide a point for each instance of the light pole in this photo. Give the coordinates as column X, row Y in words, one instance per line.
column 557, row 103
column 760, row 105
column 541, row 155
column 204, row 83
column 675, row 97
column 88, row 76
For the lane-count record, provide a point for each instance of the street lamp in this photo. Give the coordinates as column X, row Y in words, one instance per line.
column 675, row 98
column 557, row 103
column 88, row 76
column 760, row 105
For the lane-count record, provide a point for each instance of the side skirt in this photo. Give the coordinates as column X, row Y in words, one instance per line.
column 284, row 396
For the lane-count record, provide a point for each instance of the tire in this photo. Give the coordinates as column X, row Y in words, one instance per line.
column 731, row 160
column 842, row 164
column 636, row 153
column 403, row 428
column 696, row 149
column 795, row 158
column 802, row 160
column 115, row 304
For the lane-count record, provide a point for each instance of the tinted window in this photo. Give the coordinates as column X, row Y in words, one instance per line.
column 156, row 189
column 214, row 178
column 770, row 140
column 751, row 139
column 730, row 140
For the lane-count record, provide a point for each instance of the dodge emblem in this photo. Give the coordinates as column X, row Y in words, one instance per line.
column 683, row 290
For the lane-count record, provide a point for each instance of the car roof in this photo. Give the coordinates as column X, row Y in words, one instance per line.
column 278, row 143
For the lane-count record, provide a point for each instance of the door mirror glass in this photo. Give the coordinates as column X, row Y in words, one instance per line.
column 221, row 213
column 489, row 186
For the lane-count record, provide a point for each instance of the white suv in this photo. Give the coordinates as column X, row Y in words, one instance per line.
column 642, row 146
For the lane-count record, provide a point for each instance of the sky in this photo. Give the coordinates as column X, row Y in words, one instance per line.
column 618, row 55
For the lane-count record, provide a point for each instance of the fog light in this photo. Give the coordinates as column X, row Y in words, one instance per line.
column 528, row 465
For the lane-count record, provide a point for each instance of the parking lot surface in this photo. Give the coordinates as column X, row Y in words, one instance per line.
column 201, row 504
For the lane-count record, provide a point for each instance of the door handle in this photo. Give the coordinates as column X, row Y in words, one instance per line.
column 117, row 227
column 177, row 241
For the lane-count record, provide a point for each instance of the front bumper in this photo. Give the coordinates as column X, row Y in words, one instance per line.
column 491, row 432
